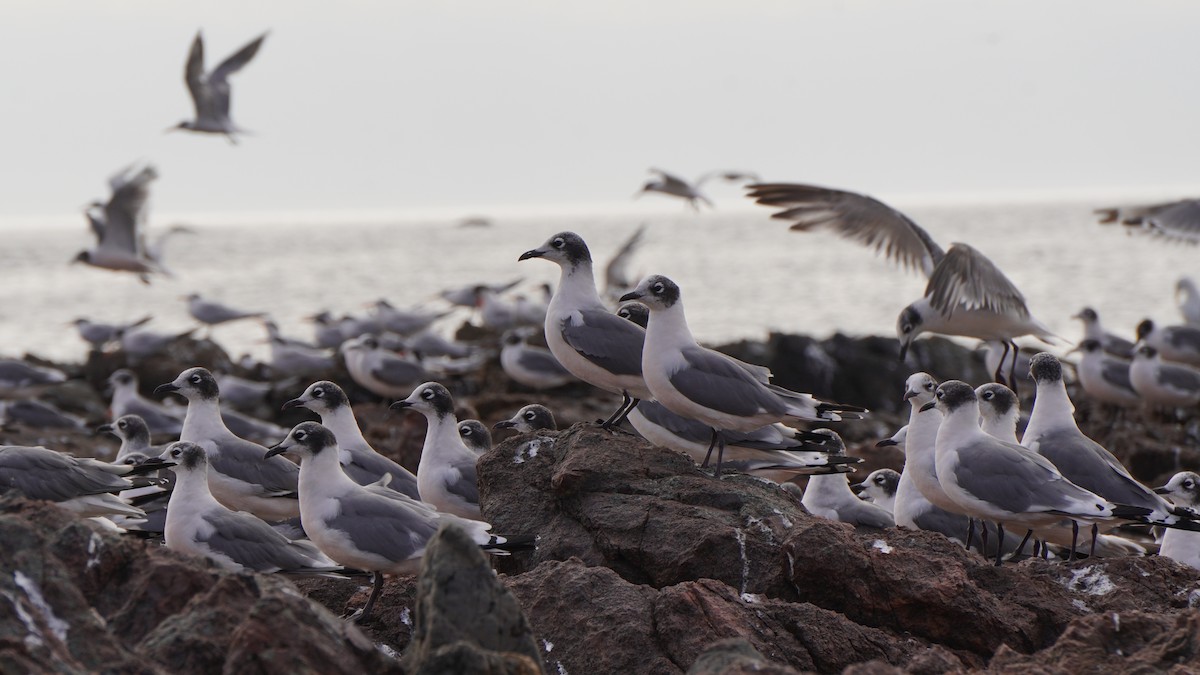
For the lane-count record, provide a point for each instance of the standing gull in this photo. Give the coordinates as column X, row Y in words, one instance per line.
column 1093, row 330
column 967, row 294
column 368, row 527
column 593, row 344
column 529, row 365
column 99, row 335
column 1105, row 377
column 211, row 313
column 1159, row 383
column 999, row 411
column 197, row 524
column 126, row 400
column 210, row 91
column 362, row 463
column 1179, row 343
column 378, row 370
column 708, row 386
column 446, row 476
column 237, row 475
column 1174, row 221
column 86, row 487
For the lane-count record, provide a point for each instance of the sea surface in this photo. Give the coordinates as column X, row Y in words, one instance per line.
column 742, row 275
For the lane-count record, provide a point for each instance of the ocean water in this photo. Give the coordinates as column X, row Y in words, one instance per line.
column 742, row 274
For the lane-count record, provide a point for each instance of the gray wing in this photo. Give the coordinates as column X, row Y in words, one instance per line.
column 1183, row 379
column 397, row 371
column 1092, row 467
column 1011, row 478
column 1179, row 221
column 606, row 340
column 466, row 486
column 616, row 273
column 710, row 380
column 385, row 526
column 125, row 213
column 935, row 519
column 244, row 461
column 1116, row 373
column 1182, row 337
column 218, row 82
column 39, row 473
column 367, row 467
column 852, row 216
column 966, row 277
column 193, row 75
column 541, row 361
column 252, row 543
column 683, row 427
column 865, row 513
column 672, row 182
column 157, row 420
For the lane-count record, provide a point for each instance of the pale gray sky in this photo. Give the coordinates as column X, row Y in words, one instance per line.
column 397, row 107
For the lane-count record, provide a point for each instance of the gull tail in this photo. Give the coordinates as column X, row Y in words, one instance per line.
column 1128, row 512
column 505, row 544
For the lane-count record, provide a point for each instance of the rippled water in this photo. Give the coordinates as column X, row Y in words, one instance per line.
column 742, row 275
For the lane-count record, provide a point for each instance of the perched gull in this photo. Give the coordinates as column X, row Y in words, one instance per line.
column 86, row 487
column 141, row 343
column 16, row 374
column 1175, row 221
column 830, row 496
column 237, row 475
column 289, row 359
column 368, row 527
column 99, row 335
column 593, row 344
column 967, row 294
column 378, row 370
column 1181, row 545
column 528, row 419
column 134, row 435
column 120, row 245
column 404, row 322
column 1003, row 482
column 362, row 463
column 446, row 475
column 879, row 488
column 1187, row 298
column 198, row 524
column 211, row 313
column 1180, row 344
column 210, row 91
column 1105, row 377
column 531, row 366
column 708, row 386
column 775, row 452
column 126, row 400
column 1093, row 330
column 1053, row 434
column 1159, row 383
column 475, row 436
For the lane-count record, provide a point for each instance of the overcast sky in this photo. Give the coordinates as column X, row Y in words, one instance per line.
column 400, row 107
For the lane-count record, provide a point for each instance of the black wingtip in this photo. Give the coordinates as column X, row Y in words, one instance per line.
column 512, row 543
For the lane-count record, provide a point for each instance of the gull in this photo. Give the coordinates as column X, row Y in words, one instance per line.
column 361, row 462
column 134, row 435
column 618, row 279
column 36, row 414
column 1174, row 221
column 1159, row 383
column 290, row 358
column 197, row 524
column 119, row 241
column 675, row 186
column 126, row 400
column 999, row 411
column 1004, row 482
column 16, row 374
column 242, row 393
column 379, row 371
column 475, row 436
column 99, row 335
column 529, row 419
column 495, row 312
column 446, row 476
column 530, row 312
column 1053, row 433
column 250, row 428
column 967, row 295
column 879, row 488
column 368, row 527
column 211, row 313
column 529, row 365
column 1181, row 545
column 1187, row 298
column 404, row 322
column 1105, row 377
column 635, row 312
column 210, row 91
column 830, row 496
column 237, row 475
column 141, row 343
column 466, row 296
column 428, row 343
column 1180, row 344
column 775, row 452
column 1093, row 330
column 708, row 386
column 84, row 486
column 594, row 345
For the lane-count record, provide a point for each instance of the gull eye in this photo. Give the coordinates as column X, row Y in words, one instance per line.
column 558, row 242
column 987, row 395
column 176, row 452
column 929, row 386
column 301, row 435
column 465, row 431
column 318, row 393
column 879, row 480
column 1189, row 484
column 122, row 424
column 427, row 394
column 941, row 394
column 657, row 288
column 529, row 415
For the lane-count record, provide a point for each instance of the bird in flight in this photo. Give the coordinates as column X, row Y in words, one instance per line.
column 210, row 91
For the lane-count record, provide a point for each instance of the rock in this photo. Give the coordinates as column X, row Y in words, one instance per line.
column 736, row 656
column 77, row 598
column 464, row 620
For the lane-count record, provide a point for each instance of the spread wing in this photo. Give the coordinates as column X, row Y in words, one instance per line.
column 616, row 273
column 1178, row 221
column 967, row 278
column 218, row 81
column 855, row 217
column 193, row 74
column 125, row 212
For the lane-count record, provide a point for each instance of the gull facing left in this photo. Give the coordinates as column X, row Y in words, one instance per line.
column 210, row 90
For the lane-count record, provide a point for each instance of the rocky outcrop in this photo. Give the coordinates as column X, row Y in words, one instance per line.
column 77, row 598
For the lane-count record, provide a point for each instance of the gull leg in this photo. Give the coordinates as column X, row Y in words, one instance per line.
column 983, row 537
column 1012, row 369
column 1037, row 545
column 627, row 403
column 999, row 374
column 711, row 444
column 377, row 581
column 999, row 542
column 720, row 454
column 970, row 532
column 1095, row 534
column 1074, row 537
column 1023, row 542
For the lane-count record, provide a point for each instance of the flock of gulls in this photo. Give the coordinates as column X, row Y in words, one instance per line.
column 223, row 486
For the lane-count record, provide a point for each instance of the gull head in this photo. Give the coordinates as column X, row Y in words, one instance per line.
column 193, row 384
column 1183, row 489
column 565, row 248
column 430, row 399
column 122, row 378
column 1144, row 328
column 1087, row 315
column 951, row 396
column 997, row 402
column 908, row 327
column 1045, row 368
column 530, row 418
column 305, row 440
column 656, row 292
column 919, row 387
column 186, row 456
column 320, row 397
column 635, row 312
column 475, row 435
column 1090, row 346
column 126, row 427
column 879, row 486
